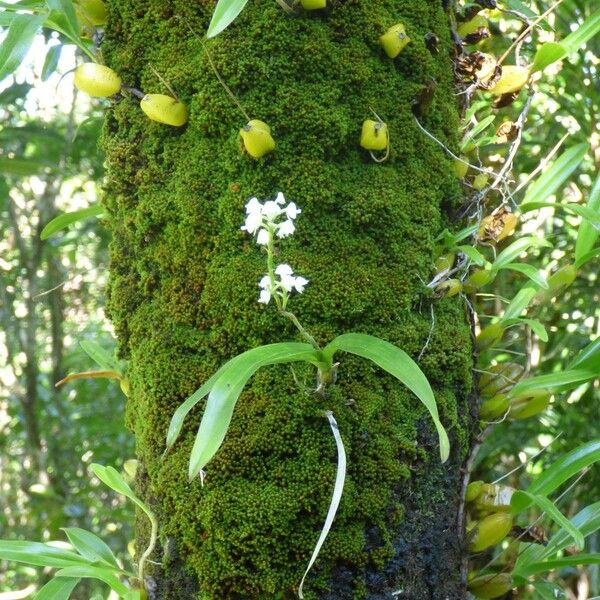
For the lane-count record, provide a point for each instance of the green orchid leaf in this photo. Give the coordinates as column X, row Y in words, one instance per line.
column 90, row 546
column 100, row 356
column 57, row 589
column 527, row 270
column 588, row 359
column 516, row 249
column 225, row 13
column 63, row 221
column 473, row 254
column 520, row 302
column 547, row 54
column 18, row 41
column 555, row 175
column 521, row 500
column 588, row 234
column 51, row 61
column 535, row 325
column 400, row 365
column 565, row 380
column 66, row 9
column 39, row 555
column 559, row 563
column 585, row 32
column 88, row 571
column 226, row 390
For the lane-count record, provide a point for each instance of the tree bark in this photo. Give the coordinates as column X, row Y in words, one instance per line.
column 183, row 296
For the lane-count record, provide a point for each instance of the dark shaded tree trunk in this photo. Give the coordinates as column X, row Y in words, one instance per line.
column 183, row 296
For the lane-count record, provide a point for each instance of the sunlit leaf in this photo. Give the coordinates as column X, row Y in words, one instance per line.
column 102, row 357
column 546, row 54
column 586, row 31
column 528, row 270
column 57, row 589
column 63, row 221
column 569, row 379
column 38, row 554
column 588, row 234
column 18, row 40
column 90, row 546
column 225, row 13
column 400, row 365
column 588, row 359
column 474, row 254
column 51, row 62
column 226, row 390
column 102, row 574
column 520, row 302
column 67, row 10
column 517, row 248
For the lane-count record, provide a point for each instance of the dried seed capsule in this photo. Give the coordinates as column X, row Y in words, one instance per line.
column 528, row 405
column 448, row 288
column 394, row 40
column 92, row 11
column 164, row 109
column 444, row 262
column 499, row 378
column 490, row 531
column 480, row 181
column 487, row 68
column 374, row 135
column 491, row 586
column 257, row 138
column 477, row 279
column 494, row 407
column 461, row 167
column 473, row 490
column 497, row 226
column 313, row 4
column 96, row 80
column 489, row 336
column 494, row 498
column 513, row 78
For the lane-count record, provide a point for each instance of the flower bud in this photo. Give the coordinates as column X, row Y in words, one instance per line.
column 499, row 378
column 96, row 80
column 394, row 40
column 91, row 11
column 461, row 167
column 490, row 531
column 257, row 138
column 164, row 109
column 477, row 279
column 513, row 78
column 448, row 288
column 494, row 407
column 491, row 586
column 494, row 498
column 530, row 404
column 473, row 490
column 489, row 336
column 374, row 135
column 313, row 4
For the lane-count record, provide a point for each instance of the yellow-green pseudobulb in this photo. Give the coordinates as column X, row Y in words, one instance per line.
column 257, row 138
column 374, row 135
column 96, row 80
column 394, row 40
column 313, row 4
column 164, row 109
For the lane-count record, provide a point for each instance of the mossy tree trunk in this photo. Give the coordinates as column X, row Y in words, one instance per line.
column 183, row 296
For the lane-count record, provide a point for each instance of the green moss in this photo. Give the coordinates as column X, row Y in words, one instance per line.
column 183, row 286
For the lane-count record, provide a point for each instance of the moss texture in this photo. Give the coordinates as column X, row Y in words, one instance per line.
column 183, row 295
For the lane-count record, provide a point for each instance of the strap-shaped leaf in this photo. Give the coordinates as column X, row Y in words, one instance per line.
column 566, row 380
column 559, row 563
column 90, row 546
column 338, row 488
column 529, row 271
column 516, row 249
column 535, row 325
column 18, row 40
column 586, row 31
column 57, row 589
column 67, row 10
column 38, row 554
column 588, row 359
column 520, row 302
column 100, row 573
column 521, row 500
column 547, row 54
column 474, row 254
column 227, row 388
column 63, row 221
column 588, row 234
column 225, row 13
column 102, row 357
column 400, row 365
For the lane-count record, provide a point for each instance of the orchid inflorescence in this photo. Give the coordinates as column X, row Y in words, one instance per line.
column 269, row 220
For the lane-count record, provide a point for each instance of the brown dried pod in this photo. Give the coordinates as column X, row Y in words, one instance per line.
column 505, row 100
column 497, row 226
column 507, row 132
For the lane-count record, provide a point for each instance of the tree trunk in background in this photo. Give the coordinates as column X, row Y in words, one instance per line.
column 183, row 296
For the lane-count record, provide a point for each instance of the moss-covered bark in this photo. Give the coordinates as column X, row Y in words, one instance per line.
column 183, row 293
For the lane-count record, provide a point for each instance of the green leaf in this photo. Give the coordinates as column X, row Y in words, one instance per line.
column 481, row 126
column 51, row 61
column 520, row 302
column 521, row 500
column 559, row 563
column 226, row 390
column 90, row 546
column 555, row 175
column 38, row 554
column 546, row 54
column 473, row 254
column 516, row 249
column 400, row 365
column 588, row 234
column 588, row 29
column 534, row 324
column 528, row 270
column 66, row 219
column 88, row 571
column 67, row 10
column 565, row 380
column 100, row 356
column 57, row 589
column 225, row 13
column 588, row 359
column 17, row 42
column 583, row 260
column 451, row 239
column 23, row 167
column 566, row 467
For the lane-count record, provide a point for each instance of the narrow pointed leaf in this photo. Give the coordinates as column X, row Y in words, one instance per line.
column 66, row 9
column 516, row 249
column 63, row 221
column 225, row 13
column 534, row 324
column 473, row 254
column 586, row 31
column 227, row 388
column 400, row 365
column 588, row 359
column 38, row 554
column 17, row 42
column 90, row 546
column 338, row 488
column 566, row 380
column 57, row 589
column 102, row 357
column 102, row 574
column 588, row 234
column 529, row 271
column 521, row 500
column 520, row 302
column 547, row 54
column 51, row 61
